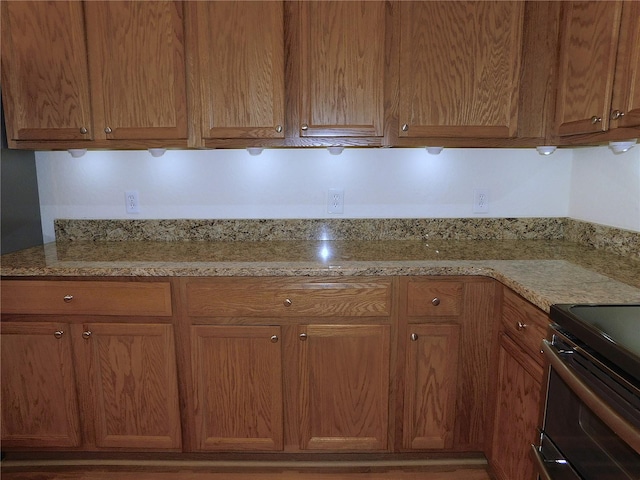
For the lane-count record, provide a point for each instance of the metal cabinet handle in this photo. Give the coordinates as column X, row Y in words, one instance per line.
column 58, row 334
column 414, row 337
column 83, row 130
column 279, row 128
column 595, row 119
column 616, row 114
column 405, row 127
column 107, row 130
column 303, row 337
column 274, row 339
column 287, row 302
column 304, row 127
column 435, row 302
column 521, row 326
column 67, row 298
column 86, row 334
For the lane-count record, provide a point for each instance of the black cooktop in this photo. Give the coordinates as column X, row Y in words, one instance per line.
column 611, row 331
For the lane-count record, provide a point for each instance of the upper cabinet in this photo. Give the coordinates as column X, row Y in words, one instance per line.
column 341, row 55
column 459, row 68
column 45, row 79
column 240, row 69
column 599, row 70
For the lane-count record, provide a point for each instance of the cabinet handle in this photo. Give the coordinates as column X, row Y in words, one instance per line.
column 304, row 127
column 435, row 302
column 58, row 334
column 107, row 130
column 595, row 119
column 414, row 337
column 287, row 302
column 405, row 127
column 274, row 339
column 83, row 130
column 303, row 337
column 86, row 334
column 67, row 298
column 279, row 128
column 616, row 114
column 522, row 326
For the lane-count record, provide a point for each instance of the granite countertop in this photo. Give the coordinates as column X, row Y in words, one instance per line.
column 543, row 271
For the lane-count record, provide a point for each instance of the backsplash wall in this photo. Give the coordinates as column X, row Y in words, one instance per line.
column 377, row 183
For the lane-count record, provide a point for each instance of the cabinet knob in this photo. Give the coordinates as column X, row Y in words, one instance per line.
column 435, row 302
column 274, row 339
column 279, row 128
column 287, row 302
column 83, row 130
column 67, row 298
column 86, row 334
column 414, row 337
column 107, row 130
column 58, row 334
column 304, row 127
column 616, row 114
column 405, row 127
column 595, row 119
column 522, row 326
column 303, row 337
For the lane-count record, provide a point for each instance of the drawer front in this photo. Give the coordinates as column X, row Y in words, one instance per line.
column 266, row 297
column 524, row 323
column 52, row 297
column 434, row 298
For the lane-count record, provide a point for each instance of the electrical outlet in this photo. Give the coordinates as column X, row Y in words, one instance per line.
column 481, row 200
column 335, row 200
column 131, row 201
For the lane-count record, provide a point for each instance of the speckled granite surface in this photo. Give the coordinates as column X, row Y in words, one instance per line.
column 543, row 271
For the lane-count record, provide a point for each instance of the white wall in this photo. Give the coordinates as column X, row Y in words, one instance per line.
column 605, row 187
column 378, row 183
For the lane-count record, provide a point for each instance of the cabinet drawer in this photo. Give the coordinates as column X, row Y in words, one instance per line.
column 434, row 298
column 52, row 297
column 265, row 297
column 524, row 323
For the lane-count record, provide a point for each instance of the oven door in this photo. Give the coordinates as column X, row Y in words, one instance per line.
column 592, row 436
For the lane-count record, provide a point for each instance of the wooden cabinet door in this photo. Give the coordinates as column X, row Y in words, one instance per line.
column 459, row 68
column 626, row 85
column 518, row 404
column 45, row 78
column 136, row 58
column 588, row 44
column 237, row 377
column 430, row 387
column 133, row 386
column 342, row 48
column 39, row 402
column 241, row 69
column 344, row 383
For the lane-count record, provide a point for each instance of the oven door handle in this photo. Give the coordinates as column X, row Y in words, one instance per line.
column 539, row 461
column 627, row 432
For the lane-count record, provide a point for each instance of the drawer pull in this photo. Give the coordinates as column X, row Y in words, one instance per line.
column 287, row 302
column 86, row 334
column 67, row 298
column 274, row 339
column 435, row 302
column 522, row 326
column 58, row 334
column 414, row 337
column 303, row 337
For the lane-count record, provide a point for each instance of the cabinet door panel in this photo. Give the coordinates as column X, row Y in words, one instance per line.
column 237, row 377
column 430, row 391
column 459, row 68
column 342, row 62
column 626, row 86
column 136, row 56
column 344, row 378
column 241, row 61
column 134, row 387
column 587, row 61
column 39, row 403
column 45, row 79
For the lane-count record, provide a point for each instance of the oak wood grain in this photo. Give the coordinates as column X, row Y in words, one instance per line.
column 626, row 84
column 525, row 323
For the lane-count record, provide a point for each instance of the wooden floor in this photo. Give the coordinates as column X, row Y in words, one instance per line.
column 436, row 470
